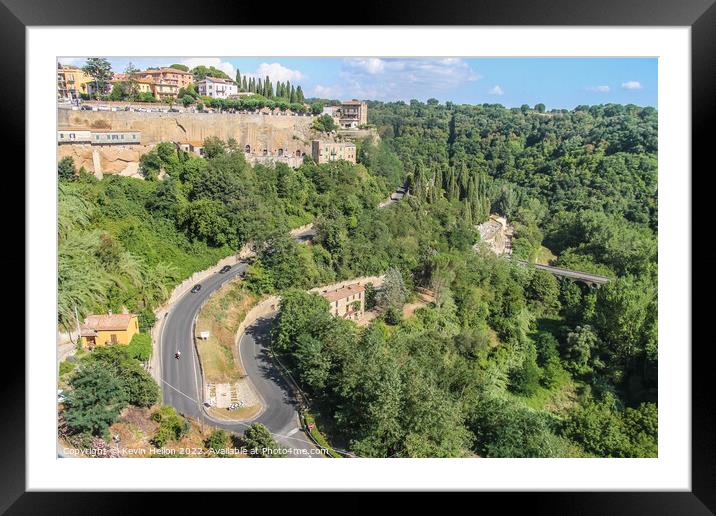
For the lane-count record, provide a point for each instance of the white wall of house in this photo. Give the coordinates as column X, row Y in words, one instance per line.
column 217, row 90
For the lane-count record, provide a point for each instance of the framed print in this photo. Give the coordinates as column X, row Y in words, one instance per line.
column 445, row 248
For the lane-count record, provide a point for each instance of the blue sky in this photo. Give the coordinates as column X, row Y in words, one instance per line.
column 556, row 82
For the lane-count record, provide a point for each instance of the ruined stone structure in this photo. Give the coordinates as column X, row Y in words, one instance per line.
column 497, row 234
column 258, row 135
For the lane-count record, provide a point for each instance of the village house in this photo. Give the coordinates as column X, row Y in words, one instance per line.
column 347, row 302
column 353, row 114
column 71, row 82
column 217, row 88
column 170, row 76
column 192, row 147
column 104, row 329
column 324, row 151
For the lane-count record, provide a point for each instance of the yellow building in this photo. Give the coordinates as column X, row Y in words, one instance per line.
column 143, row 85
column 324, row 151
column 71, row 82
column 100, row 330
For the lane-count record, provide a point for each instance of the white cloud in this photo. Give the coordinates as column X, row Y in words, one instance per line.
column 402, row 78
column 496, row 90
column 327, row 92
column 371, row 65
column 277, row 72
column 632, row 85
column 599, row 89
column 216, row 62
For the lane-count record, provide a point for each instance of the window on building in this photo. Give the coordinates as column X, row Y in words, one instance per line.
column 72, row 136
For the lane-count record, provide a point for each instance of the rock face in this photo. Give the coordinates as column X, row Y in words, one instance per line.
column 287, row 135
column 98, row 159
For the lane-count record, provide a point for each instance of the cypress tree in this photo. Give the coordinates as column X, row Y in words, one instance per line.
column 299, row 95
column 238, row 78
column 292, row 98
column 243, row 84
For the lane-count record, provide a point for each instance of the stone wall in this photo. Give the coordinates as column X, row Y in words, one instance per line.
column 270, row 132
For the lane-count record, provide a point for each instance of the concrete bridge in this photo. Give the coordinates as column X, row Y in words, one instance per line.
column 585, row 277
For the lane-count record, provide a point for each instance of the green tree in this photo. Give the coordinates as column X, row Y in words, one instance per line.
column 393, row 293
column 259, row 442
column 217, row 441
column 100, row 70
column 66, row 169
column 95, row 400
column 324, row 123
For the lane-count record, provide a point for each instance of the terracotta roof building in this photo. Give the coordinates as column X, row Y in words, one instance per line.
column 347, row 302
column 100, row 330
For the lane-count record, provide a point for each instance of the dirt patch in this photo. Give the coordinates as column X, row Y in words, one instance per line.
column 425, row 297
column 221, row 317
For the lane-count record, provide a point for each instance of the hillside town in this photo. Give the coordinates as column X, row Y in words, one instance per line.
column 107, row 125
column 247, row 271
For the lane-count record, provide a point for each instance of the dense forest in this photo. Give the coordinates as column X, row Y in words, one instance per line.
column 508, row 361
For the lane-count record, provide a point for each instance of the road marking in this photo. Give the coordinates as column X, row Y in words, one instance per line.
column 292, row 432
column 180, row 392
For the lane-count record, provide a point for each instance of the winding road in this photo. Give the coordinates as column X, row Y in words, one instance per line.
column 182, row 382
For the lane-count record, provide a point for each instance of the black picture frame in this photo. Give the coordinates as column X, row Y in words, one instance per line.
column 700, row 15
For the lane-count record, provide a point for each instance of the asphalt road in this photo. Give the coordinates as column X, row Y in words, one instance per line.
column 181, row 378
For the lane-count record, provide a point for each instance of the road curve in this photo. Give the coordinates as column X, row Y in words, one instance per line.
column 181, row 379
column 182, row 382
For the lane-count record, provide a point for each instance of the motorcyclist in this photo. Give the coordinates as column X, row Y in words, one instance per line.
column 177, row 354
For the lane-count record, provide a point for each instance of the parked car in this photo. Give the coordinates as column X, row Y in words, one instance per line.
column 86, row 108
column 196, row 288
column 225, row 268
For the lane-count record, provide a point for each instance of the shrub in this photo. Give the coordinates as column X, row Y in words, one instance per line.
column 217, row 441
column 172, row 426
column 66, row 367
column 140, row 347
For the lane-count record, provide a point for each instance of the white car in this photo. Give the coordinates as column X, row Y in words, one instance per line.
column 61, row 398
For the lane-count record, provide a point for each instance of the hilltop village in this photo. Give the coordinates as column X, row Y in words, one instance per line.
column 110, row 135
column 244, row 268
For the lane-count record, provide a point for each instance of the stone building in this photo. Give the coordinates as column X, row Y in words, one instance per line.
column 497, row 234
column 347, row 302
column 353, row 114
column 325, row 151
